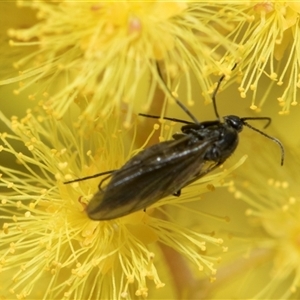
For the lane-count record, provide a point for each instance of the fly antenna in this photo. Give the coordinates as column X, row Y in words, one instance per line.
column 178, row 102
column 268, row 119
column 269, row 137
column 213, row 97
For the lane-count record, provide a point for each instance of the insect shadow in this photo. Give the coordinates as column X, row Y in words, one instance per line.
column 165, row 168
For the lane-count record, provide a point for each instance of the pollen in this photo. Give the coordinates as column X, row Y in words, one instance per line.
column 62, row 165
column 10, row 185
column 243, row 95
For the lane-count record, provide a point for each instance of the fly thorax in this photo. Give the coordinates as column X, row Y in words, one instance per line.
column 228, row 143
column 225, row 145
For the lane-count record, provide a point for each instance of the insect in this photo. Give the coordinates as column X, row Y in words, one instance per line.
column 165, row 168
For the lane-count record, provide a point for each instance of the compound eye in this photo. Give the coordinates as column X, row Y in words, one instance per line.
column 235, row 122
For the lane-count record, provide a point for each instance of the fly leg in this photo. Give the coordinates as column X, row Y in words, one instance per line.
column 89, row 177
column 177, row 194
column 99, row 185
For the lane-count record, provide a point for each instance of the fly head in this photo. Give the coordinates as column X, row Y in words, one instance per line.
column 235, row 122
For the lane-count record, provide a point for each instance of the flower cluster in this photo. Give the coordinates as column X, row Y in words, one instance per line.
column 50, row 237
column 85, row 71
column 101, row 64
column 268, row 45
column 272, row 210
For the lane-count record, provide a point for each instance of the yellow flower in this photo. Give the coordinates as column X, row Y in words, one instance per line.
column 267, row 245
column 268, row 43
column 103, row 57
column 101, row 54
column 50, row 249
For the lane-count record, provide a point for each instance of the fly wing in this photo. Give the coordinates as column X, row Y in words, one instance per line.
column 152, row 174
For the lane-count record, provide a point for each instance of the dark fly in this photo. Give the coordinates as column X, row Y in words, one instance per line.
column 165, row 168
